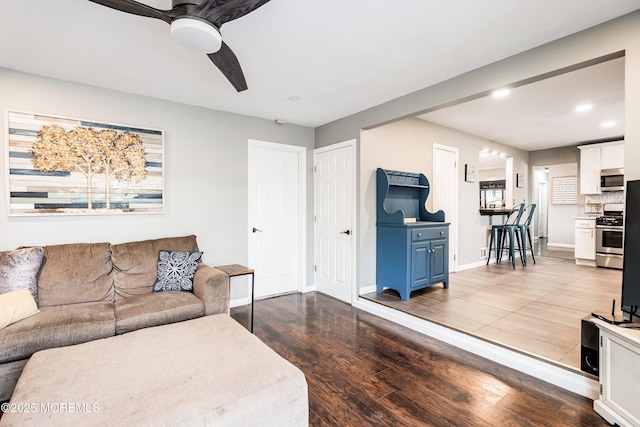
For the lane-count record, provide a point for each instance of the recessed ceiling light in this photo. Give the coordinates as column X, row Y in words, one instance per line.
column 494, row 152
column 294, row 98
column 483, row 154
column 503, row 154
column 584, row 107
column 608, row 124
column 500, row 93
column 485, row 150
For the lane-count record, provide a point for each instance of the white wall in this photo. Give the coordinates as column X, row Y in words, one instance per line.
column 407, row 145
column 206, row 154
column 492, row 174
column 561, row 217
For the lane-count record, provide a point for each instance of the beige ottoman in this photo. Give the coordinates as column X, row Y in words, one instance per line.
column 207, row 371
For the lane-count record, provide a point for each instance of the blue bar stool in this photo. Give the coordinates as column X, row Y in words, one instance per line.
column 500, row 232
column 524, row 231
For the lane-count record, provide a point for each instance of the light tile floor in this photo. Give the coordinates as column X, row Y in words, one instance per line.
column 535, row 309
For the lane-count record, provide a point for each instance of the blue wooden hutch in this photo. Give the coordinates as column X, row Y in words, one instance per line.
column 412, row 243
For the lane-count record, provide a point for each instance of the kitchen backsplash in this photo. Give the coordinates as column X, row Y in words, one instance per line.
column 593, row 203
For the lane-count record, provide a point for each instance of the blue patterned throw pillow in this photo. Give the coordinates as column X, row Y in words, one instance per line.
column 176, row 270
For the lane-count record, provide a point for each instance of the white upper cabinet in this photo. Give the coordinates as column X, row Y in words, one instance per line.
column 612, row 156
column 594, row 158
column 590, row 169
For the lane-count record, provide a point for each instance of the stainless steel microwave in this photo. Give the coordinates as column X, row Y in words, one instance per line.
column 612, row 179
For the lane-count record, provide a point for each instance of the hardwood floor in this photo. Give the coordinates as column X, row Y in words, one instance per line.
column 365, row 371
column 535, row 309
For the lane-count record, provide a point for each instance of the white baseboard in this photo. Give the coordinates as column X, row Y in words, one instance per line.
column 367, row 289
column 308, row 288
column 240, row 302
column 537, row 368
column 560, row 245
column 474, row 265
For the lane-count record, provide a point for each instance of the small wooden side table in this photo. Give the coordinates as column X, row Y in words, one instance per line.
column 234, row 270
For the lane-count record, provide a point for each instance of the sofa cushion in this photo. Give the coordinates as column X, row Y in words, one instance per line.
column 176, row 270
column 57, row 326
column 76, row 273
column 16, row 306
column 136, row 263
column 10, row 372
column 154, row 309
column 19, row 269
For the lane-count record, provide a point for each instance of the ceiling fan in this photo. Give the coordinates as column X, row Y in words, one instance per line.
column 196, row 24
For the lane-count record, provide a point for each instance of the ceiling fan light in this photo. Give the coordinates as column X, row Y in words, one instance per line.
column 196, row 34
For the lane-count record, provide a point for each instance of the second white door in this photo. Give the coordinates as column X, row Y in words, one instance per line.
column 334, row 229
column 444, row 190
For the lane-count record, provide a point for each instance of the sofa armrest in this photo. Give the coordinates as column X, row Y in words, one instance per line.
column 212, row 286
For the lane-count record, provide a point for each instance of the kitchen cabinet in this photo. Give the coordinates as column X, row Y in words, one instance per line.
column 594, row 158
column 612, row 156
column 412, row 244
column 619, row 375
column 585, row 241
column 590, row 169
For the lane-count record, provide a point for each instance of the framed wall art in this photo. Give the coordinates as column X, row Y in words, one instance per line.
column 65, row 166
column 564, row 190
column 469, row 173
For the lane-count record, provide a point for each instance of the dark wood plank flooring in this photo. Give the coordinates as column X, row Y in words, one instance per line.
column 363, row 370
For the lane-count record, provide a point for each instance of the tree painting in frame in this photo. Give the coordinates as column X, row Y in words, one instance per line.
column 63, row 166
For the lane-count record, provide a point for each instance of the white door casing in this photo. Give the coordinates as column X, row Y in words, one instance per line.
column 277, row 206
column 543, row 209
column 335, row 238
column 444, row 190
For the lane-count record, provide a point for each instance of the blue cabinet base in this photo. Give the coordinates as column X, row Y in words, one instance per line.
column 412, row 257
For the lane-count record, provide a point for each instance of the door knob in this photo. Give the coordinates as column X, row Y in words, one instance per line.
column 256, row 230
column 347, row 232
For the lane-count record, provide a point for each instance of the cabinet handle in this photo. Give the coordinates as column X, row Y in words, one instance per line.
column 442, row 232
column 419, row 234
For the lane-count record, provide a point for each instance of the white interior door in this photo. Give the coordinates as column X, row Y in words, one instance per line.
column 334, row 194
column 274, row 217
column 444, row 190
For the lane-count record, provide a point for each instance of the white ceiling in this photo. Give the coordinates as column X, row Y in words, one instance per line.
column 543, row 114
column 339, row 56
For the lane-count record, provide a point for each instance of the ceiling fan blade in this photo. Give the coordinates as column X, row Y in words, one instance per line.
column 220, row 11
column 228, row 63
column 135, row 8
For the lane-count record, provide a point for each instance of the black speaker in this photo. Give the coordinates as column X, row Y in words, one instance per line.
column 589, row 347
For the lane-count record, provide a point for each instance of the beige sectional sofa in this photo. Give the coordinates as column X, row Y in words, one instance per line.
column 88, row 291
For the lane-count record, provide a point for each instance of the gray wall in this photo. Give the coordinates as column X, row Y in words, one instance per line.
column 206, row 154
column 561, row 217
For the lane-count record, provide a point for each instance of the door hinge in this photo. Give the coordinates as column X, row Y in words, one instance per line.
column 315, row 268
column 315, row 219
column 315, row 168
column 600, row 389
column 600, row 341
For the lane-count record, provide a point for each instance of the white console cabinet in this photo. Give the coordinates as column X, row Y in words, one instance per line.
column 619, row 400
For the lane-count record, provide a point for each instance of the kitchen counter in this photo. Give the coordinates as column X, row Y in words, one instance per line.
column 491, row 212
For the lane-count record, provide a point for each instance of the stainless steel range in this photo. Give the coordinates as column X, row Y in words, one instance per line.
column 609, row 236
